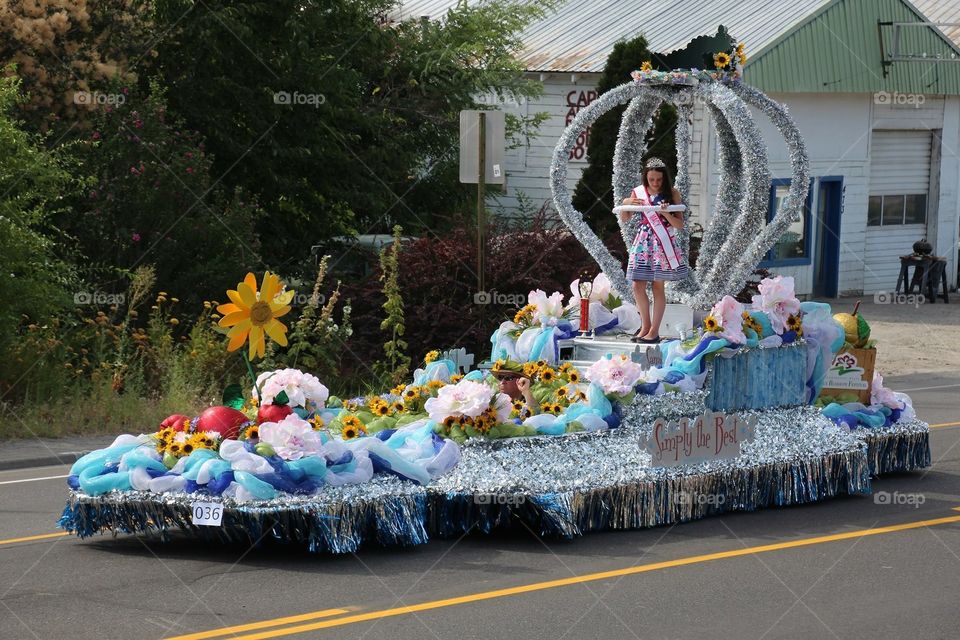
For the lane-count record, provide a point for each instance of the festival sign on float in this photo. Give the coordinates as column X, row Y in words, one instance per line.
column 708, row 437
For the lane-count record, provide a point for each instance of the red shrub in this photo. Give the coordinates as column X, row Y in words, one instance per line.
column 439, row 282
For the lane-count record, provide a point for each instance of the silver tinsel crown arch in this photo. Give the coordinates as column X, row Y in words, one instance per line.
column 738, row 235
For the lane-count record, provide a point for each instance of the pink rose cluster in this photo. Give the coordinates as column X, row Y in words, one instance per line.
column 468, row 398
column 616, row 375
column 303, row 389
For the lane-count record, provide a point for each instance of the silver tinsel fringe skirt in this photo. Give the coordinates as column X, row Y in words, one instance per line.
column 557, row 486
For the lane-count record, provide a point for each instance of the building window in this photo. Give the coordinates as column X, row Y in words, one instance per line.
column 901, row 209
column 793, row 247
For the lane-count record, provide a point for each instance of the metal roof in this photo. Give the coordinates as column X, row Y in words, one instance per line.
column 580, row 34
column 792, row 46
column 947, row 11
column 838, row 49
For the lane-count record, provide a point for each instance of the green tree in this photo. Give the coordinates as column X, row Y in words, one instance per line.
column 151, row 199
column 338, row 118
column 594, row 193
column 33, row 182
column 68, row 52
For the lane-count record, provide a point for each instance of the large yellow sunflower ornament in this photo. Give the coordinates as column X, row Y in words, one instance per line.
column 253, row 314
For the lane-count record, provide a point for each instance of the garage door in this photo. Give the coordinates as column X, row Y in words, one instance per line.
column 897, row 210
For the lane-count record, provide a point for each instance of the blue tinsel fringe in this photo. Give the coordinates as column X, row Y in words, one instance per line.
column 411, row 518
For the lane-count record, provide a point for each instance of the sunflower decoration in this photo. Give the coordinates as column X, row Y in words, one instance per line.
column 250, row 433
column 749, row 322
column 317, row 422
column 379, row 407
column 562, row 392
column 253, row 313
column 351, row 427
column 524, row 316
column 414, row 398
column 547, row 375
column 721, row 60
column 435, row 384
column 568, row 373
column 556, row 408
column 517, row 407
column 646, row 66
column 485, row 421
column 711, row 325
column 431, row 356
column 455, row 378
column 741, row 56
column 355, row 404
column 164, row 437
column 398, row 390
column 794, row 323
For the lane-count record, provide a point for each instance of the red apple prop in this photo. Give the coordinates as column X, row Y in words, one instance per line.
column 174, row 422
column 223, row 420
column 273, row 413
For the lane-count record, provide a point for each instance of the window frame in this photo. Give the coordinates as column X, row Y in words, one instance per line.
column 807, row 212
column 903, row 222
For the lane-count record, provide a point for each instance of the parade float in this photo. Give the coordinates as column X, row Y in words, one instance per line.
column 731, row 415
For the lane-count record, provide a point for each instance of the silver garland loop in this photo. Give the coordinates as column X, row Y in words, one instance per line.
column 737, row 235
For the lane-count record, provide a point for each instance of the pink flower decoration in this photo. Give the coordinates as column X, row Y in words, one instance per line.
column 549, row 309
column 729, row 313
column 615, row 375
column 135, row 237
column 881, row 395
column 292, row 438
column 466, row 398
column 777, row 300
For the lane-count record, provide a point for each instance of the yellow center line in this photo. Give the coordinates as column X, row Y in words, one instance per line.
column 945, row 424
column 214, row 633
column 563, row 582
column 44, row 536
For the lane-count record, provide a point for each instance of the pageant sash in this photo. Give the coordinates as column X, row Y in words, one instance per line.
column 659, row 230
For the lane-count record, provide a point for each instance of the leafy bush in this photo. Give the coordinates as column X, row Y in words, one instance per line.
column 32, row 182
column 97, row 365
column 438, row 282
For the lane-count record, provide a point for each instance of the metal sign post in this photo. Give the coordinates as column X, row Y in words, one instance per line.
column 482, row 148
column 481, row 177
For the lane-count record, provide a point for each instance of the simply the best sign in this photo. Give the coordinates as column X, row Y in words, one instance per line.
column 711, row 436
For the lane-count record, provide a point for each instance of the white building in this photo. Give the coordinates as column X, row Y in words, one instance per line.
column 882, row 134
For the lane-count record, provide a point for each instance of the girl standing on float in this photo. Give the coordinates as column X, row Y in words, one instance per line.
column 655, row 255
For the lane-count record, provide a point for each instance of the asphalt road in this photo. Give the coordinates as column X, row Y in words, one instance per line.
column 845, row 568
